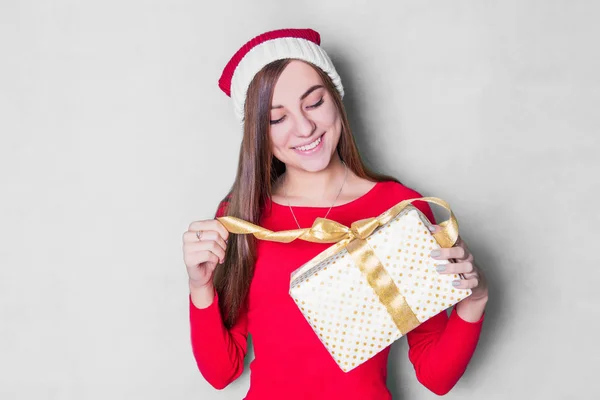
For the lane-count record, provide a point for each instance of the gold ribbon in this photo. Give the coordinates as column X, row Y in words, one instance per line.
column 354, row 239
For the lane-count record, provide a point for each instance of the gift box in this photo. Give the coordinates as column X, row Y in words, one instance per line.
column 375, row 284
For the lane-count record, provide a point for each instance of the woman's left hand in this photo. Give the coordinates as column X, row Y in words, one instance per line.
column 463, row 264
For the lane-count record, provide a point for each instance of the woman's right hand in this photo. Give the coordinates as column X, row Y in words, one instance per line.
column 202, row 255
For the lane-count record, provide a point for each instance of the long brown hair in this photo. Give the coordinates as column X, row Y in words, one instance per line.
column 258, row 169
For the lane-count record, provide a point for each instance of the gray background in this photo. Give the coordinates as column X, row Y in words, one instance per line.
column 115, row 137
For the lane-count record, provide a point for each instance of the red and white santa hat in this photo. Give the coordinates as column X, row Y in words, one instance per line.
column 303, row 44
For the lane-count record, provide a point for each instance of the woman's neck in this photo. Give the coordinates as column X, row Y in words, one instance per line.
column 317, row 187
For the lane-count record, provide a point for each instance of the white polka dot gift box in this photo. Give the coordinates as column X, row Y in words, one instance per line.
column 375, row 284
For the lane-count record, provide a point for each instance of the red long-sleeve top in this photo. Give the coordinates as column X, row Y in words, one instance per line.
column 290, row 362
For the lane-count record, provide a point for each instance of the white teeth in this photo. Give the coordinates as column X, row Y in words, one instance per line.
column 310, row 146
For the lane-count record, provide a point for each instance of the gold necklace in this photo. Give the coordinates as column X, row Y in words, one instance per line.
column 336, row 197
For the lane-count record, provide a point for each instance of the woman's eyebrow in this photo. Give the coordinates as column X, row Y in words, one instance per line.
column 309, row 91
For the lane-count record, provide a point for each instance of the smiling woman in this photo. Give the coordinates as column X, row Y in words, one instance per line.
column 298, row 161
column 305, row 129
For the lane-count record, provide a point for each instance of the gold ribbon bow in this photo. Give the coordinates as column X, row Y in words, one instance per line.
column 354, row 239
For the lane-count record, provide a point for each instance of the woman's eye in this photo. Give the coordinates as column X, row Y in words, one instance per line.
column 276, row 121
column 317, row 104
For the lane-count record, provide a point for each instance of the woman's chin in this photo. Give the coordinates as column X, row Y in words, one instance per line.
column 314, row 165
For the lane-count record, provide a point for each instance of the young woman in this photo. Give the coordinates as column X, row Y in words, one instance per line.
column 298, row 161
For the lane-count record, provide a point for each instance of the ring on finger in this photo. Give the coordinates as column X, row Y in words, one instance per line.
column 199, row 234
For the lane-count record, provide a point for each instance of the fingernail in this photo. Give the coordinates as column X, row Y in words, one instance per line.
column 435, row 253
column 432, row 228
column 455, row 283
column 440, row 268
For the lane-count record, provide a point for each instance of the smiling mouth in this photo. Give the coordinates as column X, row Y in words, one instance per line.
column 310, row 146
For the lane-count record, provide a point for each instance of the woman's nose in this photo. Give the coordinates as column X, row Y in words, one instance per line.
column 304, row 126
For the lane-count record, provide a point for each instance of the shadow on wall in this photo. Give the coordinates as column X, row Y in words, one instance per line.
column 398, row 364
column 368, row 149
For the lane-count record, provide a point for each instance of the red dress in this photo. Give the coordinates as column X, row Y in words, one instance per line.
column 290, row 362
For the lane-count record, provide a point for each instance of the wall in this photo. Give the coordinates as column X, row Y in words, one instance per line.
column 115, row 137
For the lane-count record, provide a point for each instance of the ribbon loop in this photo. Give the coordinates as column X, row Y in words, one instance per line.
column 363, row 228
column 328, row 231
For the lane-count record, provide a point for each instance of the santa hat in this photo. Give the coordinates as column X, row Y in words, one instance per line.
column 303, row 44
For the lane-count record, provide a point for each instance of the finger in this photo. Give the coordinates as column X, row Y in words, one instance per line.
column 460, row 242
column 209, row 245
column 470, row 283
column 218, row 240
column 209, row 225
column 434, row 228
column 212, row 235
column 471, row 275
column 191, row 237
column 458, row 253
column 455, row 268
column 207, row 256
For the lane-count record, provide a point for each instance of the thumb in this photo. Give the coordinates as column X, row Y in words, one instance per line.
column 434, row 228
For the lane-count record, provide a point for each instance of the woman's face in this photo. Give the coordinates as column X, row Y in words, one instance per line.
column 305, row 125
